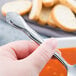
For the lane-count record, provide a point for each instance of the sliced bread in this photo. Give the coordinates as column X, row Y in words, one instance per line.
column 51, row 21
column 43, row 18
column 21, row 7
column 36, row 9
column 64, row 18
column 49, row 3
column 70, row 3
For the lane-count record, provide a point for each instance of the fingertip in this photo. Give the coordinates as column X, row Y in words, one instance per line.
column 52, row 42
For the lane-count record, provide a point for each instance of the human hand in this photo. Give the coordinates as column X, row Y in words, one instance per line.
column 25, row 58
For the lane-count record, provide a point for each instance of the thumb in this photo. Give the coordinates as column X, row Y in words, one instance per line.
column 43, row 54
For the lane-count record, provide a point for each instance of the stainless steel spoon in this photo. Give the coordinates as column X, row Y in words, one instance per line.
column 18, row 22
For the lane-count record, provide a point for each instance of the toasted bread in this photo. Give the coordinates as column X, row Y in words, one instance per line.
column 64, row 18
column 43, row 18
column 36, row 9
column 49, row 3
column 57, row 1
column 70, row 3
column 50, row 21
column 21, row 7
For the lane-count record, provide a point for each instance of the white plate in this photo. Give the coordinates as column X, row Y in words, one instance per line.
column 67, row 42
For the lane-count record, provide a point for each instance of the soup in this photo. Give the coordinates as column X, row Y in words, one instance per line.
column 55, row 68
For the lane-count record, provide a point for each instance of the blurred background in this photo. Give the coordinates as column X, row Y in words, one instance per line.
column 9, row 34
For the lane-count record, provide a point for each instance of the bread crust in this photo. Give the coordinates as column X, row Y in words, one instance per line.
column 65, row 2
column 51, row 23
column 48, row 4
column 36, row 9
column 42, row 22
column 43, row 18
column 59, row 24
column 23, row 12
column 57, row 2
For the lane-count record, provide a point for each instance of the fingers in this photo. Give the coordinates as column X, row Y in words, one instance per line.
column 42, row 54
column 19, row 49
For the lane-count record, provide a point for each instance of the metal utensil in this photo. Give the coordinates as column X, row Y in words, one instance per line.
column 18, row 22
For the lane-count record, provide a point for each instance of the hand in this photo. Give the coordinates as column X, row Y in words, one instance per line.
column 25, row 58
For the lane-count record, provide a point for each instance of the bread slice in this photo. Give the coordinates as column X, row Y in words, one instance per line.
column 36, row 9
column 70, row 3
column 57, row 2
column 49, row 3
column 51, row 21
column 64, row 18
column 21, row 7
column 43, row 18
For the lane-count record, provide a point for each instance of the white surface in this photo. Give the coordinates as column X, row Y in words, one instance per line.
column 66, row 42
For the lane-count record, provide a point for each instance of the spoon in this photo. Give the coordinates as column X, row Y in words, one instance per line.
column 18, row 22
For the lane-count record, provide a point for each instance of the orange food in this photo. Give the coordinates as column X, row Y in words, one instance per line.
column 55, row 68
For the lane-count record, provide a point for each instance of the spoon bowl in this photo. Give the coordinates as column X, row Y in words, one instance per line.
column 71, row 70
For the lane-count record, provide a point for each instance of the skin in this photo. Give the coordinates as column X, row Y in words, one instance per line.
column 25, row 58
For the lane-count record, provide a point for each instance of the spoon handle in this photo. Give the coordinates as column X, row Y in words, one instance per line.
column 39, row 40
column 18, row 22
